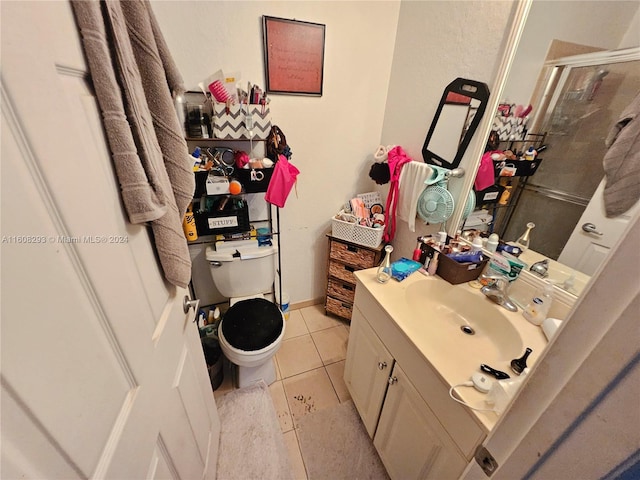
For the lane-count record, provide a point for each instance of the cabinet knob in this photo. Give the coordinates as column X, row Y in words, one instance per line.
column 382, row 365
column 393, row 380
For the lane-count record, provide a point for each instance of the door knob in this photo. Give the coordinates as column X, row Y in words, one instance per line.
column 590, row 228
column 393, row 380
column 382, row 365
column 188, row 304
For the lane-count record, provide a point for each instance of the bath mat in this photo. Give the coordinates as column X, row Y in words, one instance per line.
column 251, row 442
column 335, row 446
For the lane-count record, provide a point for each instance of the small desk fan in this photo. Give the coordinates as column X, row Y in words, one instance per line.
column 436, row 204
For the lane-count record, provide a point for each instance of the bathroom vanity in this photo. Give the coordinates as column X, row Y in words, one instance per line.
column 407, row 349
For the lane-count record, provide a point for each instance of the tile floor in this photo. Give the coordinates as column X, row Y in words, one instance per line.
column 309, row 366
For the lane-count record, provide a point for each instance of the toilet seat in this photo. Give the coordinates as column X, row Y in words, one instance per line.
column 252, row 326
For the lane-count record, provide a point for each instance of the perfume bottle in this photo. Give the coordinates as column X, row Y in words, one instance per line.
column 523, row 241
column 384, row 270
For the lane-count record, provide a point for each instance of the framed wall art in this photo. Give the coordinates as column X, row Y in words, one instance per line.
column 293, row 56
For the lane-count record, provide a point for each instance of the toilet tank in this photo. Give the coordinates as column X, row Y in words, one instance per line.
column 243, row 271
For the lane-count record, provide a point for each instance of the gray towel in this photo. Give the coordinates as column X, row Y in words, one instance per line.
column 134, row 77
column 622, row 162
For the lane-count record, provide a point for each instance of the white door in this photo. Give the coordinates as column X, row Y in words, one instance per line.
column 102, row 372
column 594, row 235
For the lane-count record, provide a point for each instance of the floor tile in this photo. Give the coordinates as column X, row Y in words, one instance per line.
column 315, row 318
column 309, row 392
column 295, row 326
column 336, row 375
column 331, row 344
column 298, row 355
column 295, row 456
column 281, row 405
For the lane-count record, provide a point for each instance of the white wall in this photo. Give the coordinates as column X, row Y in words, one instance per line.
column 437, row 42
column 379, row 87
column 601, row 24
column 332, row 136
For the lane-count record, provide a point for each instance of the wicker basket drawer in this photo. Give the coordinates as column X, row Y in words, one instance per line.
column 341, row 290
column 342, row 271
column 353, row 255
column 338, row 307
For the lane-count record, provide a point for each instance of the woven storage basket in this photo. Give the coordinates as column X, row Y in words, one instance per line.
column 354, row 233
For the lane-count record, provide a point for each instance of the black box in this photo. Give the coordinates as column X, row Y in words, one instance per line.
column 222, row 214
column 523, row 168
column 250, row 182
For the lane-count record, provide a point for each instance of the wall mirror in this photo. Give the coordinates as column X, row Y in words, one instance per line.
column 579, row 92
column 459, row 112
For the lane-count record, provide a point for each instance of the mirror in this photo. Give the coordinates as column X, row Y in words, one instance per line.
column 542, row 41
column 459, row 112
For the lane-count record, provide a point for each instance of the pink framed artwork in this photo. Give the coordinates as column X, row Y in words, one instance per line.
column 293, row 56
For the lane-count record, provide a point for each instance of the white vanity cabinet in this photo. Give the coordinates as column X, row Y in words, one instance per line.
column 366, row 370
column 409, row 438
column 418, row 431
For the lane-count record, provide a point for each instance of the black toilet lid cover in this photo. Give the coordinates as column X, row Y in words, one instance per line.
column 252, row 324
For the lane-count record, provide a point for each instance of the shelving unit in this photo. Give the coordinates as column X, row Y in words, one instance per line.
column 252, row 193
column 502, row 212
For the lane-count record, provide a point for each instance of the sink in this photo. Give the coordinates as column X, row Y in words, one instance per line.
column 455, row 317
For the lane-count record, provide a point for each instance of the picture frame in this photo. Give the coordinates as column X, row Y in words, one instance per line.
column 293, row 56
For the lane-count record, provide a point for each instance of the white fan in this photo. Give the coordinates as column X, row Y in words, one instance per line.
column 435, row 204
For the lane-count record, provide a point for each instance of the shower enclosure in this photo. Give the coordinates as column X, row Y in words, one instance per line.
column 583, row 97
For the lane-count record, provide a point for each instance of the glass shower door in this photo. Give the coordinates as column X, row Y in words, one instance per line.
column 583, row 108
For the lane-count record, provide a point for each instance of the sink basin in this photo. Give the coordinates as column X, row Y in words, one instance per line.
column 455, row 316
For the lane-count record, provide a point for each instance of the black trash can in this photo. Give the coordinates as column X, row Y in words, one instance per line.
column 214, row 358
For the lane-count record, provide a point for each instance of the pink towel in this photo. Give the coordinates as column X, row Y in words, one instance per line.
column 396, row 159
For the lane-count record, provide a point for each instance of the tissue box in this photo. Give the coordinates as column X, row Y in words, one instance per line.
column 235, row 121
column 454, row 272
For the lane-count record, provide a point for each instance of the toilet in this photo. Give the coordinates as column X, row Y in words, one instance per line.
column 252, row 330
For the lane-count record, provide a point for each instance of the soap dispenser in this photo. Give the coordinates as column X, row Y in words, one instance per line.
column 538, row 308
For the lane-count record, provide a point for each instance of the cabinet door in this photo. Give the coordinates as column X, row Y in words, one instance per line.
column 410, row 440
column 366, row 370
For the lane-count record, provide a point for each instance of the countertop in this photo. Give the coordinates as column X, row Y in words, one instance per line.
column 452, row 354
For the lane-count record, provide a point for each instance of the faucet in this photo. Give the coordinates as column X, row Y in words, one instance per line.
column 499, row 291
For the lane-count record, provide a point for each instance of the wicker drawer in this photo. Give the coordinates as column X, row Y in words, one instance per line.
column 353, row 255
column 339, row 308
column 342, row 271
column 341, row 290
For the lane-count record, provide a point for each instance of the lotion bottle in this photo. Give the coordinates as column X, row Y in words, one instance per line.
column 538, row 308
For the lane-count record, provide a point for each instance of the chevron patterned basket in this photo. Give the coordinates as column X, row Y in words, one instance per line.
column 230, row 123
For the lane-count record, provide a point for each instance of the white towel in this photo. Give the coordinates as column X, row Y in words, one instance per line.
column 411, row 185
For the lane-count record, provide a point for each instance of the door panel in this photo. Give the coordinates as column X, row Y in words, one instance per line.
column 102, row 371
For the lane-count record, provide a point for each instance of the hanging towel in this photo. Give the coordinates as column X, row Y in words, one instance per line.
column 134, row 77
column 282, row 181
column 412, row 184
column 397, row 158
column 622, row 162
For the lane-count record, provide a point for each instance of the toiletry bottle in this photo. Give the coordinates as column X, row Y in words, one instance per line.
column 476, row 246
column 506, row 193
column 433, row 264
column 530, row 154
column 538, row 308
column 492, row 244
column 523, row 241
column 417, row 253
column 384, row 270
